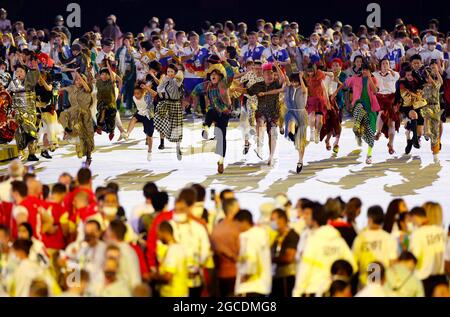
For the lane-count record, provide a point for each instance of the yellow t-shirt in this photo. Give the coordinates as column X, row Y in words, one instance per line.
column 175, row 262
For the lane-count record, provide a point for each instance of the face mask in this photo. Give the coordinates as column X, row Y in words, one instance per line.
column 260, row 39
column 89, row 237
column 365, row 47
column 318, row 31
column 110, row 22
column 274, row 225
column 110, row 275
column 410, row 227
column 2, row 71
column 110, row 211
column 314, row 43
column 184, row 40
column 431, row 47
column 291, row 44
column 180, row 218
column 171, row 46
column 33, row 47
column 337, row 42
column 387, row 43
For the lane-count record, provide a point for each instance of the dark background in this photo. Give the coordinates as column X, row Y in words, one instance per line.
column 188, row 14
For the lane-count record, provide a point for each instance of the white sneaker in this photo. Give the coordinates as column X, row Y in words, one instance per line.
column 436, row 158
column 149, row 156
column 369, row 160
column 312, row 139
column 128, row 113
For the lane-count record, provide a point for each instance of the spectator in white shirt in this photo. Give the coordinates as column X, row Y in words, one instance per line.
column 431, row 52
column 254, row 276
column 113, row 285
column 428, row 246
column 323, row 247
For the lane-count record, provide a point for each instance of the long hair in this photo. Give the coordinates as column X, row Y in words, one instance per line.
column 391, row 214
column 434, row 213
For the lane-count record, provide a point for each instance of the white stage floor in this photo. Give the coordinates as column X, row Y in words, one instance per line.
column 416, row 178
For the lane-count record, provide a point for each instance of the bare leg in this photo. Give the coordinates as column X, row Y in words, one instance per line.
column 131, row 126
column 149, row 144
column 312, row 124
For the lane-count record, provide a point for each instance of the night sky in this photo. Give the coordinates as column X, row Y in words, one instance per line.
column 133, row 14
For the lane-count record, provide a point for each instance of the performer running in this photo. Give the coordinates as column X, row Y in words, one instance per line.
column 169, row 113
column 106, row 101
column 216, row 89
column 389, row 116
column 318, row 103
column 22, row 89
column 268, row 111
column 77, row 120
column 432, row 111
column 365, row 107
column 143, row 101
column 333, row 119
column 296, row 119
column 412, row 101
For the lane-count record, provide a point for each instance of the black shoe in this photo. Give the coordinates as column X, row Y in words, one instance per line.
column 46, row 155
column 416, row 143
column 291, row 136
column 409, row 146
column 179, row 155
column 161, row 147
column 88, row 162
column 32, row 158
column 299, row 168
column 246, row 148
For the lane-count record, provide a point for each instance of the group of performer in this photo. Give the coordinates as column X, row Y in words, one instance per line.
column 276, row 80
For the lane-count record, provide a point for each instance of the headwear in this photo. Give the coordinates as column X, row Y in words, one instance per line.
column 338, row 24
column 217, row 68
column 112, row 17
column 214, row 59
column 140, row 35
column 108, row 42
column 267, row 66
column 431, row 39
column 45, row 60
column 59, row 18
column 128, row 35
column 76, row 47
column 337, row 60
column 154, row 19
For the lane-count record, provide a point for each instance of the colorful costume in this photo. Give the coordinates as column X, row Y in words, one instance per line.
column 8, row 125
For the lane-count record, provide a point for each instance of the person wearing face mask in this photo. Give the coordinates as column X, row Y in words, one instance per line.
column 339, row 49
column 431, row 53
column 295, row 55
column 193, row 237
column 313, row 52
column 392, row 51
column 283, row 255
column 417, row 48
column 363, row 49
column 5, row 76
column 173, row 275
column 113, row 285
column 153, row 26
column 401, row 279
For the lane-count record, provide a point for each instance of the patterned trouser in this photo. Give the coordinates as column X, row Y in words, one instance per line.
column 362, row 128
column 432, row 115
column 169, row 120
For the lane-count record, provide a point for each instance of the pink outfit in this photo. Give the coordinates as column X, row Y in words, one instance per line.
column 356, row 83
